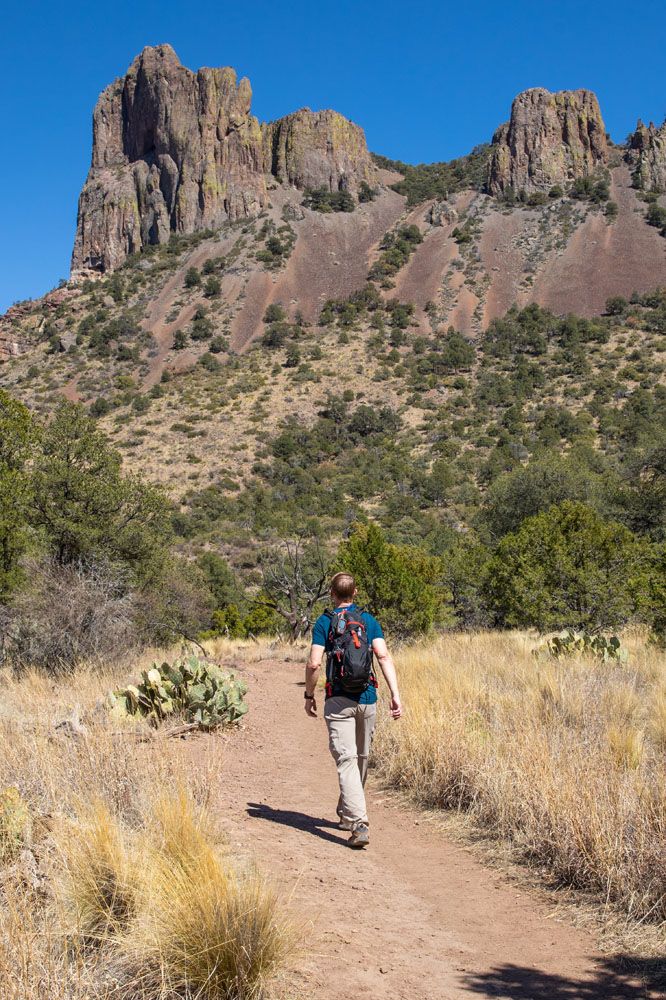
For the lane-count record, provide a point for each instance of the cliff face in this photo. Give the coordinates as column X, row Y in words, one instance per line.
column 173, row 151
column 647, row 152
column 177, row 151
column 550, row 139
column 317, row 149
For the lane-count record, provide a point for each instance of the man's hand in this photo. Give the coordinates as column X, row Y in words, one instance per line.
column 396, row 708
column 311, row 707
column 311, row 675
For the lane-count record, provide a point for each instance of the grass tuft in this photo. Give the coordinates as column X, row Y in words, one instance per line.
column 99, row 885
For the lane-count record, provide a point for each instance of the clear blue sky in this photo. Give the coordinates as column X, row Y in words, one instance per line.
column 427, row 81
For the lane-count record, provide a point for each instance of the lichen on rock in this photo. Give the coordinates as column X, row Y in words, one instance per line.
column 647, row 154
column 173, row 151
column 176, row 151
column 550, row 139
column 317, row 149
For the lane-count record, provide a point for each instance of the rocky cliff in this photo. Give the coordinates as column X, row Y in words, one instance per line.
column 317, row 149
column 550, row 139
column 647, row 153
column 178, row 151
column 173, row 150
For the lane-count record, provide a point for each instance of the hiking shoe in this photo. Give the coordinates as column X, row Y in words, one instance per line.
column 360, row 836
column 345, row 824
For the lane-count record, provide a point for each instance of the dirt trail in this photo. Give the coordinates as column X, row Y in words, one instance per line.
column 433, row 922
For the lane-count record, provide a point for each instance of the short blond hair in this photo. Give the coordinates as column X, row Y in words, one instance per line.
column 343, row 587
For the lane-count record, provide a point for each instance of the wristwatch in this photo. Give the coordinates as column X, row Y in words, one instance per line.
column 308, row 697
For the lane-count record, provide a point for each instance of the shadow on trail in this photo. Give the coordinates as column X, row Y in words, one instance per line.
column 296, row 820
column 619, row 977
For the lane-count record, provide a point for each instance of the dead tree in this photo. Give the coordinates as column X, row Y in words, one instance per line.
column 295, row 575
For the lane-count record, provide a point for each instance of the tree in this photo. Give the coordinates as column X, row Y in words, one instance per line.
column 366, row 193
column 293, row 357
column 463, row 572
column 212, row 288
column 295, row 578
column 656, row 601
column 567, row 567
column 275, row 313
column 221, row 579
column 643, row 498
column 401, row 584
column 437, row 485
column 616, row 305
column 528, row 490
column 18, row 435
column 192, row 278
column 457, row 352
column 84, row 507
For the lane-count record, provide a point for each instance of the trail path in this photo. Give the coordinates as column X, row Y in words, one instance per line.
column 414, row 917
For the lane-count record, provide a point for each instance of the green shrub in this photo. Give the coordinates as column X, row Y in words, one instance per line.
column 616, row 305
column 397, row 246
column 212, row 288
column 439, row 180
column 400, row 583
column 656, row 216
column 323, row 200
column 592, row 188
column 18, row 438
column 275, row 313
column 218, row 345
column 568, row 568
column 366, row 193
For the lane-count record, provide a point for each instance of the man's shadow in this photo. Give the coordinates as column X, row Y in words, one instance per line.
column 296, row 820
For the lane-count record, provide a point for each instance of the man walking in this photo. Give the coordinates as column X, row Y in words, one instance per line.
column 350, row 637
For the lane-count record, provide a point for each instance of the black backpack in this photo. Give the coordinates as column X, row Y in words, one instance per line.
column 349, row 664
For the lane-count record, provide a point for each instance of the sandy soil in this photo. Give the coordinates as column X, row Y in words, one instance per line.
column 414, row 917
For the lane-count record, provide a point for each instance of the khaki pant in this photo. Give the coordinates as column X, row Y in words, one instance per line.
column 350, row 729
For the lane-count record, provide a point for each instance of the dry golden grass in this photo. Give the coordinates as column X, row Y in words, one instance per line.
column 564, row 760
column 122, row 885
column 205, row 927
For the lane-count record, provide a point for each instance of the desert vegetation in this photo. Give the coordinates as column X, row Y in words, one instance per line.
column 562, row 758
column 114, row 877
column 450, row 446
column 324, row 200
column 438, row 180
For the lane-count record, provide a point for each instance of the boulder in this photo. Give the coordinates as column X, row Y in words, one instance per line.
column 441, row 213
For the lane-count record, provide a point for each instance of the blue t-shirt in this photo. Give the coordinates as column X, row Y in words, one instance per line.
column 373, row 630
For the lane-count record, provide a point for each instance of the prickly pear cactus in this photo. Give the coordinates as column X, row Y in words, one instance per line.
column 190, row 687
column 15, row 823
column 571, row 643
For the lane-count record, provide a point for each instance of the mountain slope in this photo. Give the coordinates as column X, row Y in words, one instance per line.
column 354, row 348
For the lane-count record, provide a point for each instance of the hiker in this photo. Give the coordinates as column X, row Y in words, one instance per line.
column 350, row 637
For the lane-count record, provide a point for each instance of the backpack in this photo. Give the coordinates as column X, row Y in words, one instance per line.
column 349, row 664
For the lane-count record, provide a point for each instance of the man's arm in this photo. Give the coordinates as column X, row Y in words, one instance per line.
column 312, row 668
column 385, row 659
